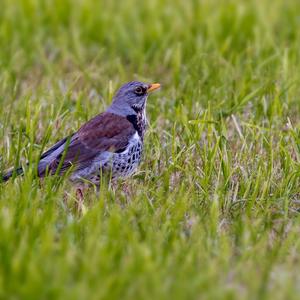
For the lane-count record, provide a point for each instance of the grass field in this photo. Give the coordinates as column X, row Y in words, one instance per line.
column 213, row 212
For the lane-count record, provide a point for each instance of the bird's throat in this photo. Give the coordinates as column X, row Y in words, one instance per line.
column 139, row 122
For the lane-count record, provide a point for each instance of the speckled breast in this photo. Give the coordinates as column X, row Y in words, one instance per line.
column 124, row 164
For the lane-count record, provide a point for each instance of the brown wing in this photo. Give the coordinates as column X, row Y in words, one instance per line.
column 105, row 132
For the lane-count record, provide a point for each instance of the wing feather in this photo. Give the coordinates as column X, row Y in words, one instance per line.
column 105, row 132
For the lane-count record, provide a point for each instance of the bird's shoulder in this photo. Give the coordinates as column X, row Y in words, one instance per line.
column 106, row 124
column 106, row 131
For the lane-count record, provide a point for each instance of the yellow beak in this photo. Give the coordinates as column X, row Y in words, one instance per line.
column 152, row 87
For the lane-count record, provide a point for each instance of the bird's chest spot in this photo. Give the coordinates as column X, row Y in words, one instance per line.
column 124, row 164
column 139, row 123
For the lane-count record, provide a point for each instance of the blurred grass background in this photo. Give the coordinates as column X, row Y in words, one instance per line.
column 213, row 211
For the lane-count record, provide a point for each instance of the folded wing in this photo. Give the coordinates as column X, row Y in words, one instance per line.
column 105, row 132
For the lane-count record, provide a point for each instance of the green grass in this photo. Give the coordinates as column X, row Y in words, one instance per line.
column 213, row 212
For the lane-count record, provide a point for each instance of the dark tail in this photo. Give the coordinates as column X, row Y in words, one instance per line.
column 18, row 171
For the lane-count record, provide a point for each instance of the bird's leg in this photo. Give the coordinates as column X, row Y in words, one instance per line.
column 126, row 189
column 113, row 184
column 80, row 196
column 79, row 193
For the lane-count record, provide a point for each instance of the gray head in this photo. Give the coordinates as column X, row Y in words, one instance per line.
column 131, row 98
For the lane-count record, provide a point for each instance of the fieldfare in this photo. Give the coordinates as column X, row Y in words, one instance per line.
column 110, row 143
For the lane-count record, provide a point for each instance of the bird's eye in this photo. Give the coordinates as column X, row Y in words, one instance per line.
column 139, row 90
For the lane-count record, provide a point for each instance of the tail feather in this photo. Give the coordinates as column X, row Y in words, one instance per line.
column 45, row 160
column 18, row 171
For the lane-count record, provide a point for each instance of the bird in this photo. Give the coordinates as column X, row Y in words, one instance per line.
column 109, row 143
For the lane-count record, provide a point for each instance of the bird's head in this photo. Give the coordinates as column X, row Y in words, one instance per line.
column 132, row 97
